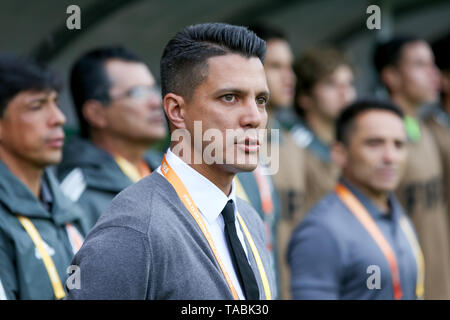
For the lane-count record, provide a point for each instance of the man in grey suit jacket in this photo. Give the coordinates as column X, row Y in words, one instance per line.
column 181, row 233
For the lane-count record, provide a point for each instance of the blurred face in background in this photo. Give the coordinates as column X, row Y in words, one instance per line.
column 280, row 75
column 376, row 151
column 31, row 129
column 331, row 94
column 416, row 77
column 135, row 112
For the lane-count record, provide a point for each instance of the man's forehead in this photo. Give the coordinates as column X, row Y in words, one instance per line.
column 117, row 74
column 416, row 50
column 235, row 68
column 380, row 122
column 31, row 95
column 278, row 48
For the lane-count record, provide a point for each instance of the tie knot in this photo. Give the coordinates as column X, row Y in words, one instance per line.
column 228, row 212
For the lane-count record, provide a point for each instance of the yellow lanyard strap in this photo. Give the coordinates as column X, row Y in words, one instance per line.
column 418, row 254
column 185, row 197
column 48, row 262
column 135, row 174
column 259, row 263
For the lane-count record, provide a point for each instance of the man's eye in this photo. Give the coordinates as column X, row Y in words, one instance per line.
column 261, row 101
column 35, row 107
column 229, row 98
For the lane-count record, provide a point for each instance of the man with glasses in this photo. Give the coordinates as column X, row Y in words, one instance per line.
column 119, row 109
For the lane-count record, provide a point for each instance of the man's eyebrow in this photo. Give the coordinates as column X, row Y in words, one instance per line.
column 240, row 91
column 42, row 98
column 264, row 93
column 229, row 90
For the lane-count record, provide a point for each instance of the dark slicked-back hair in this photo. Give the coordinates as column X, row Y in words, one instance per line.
column 89, row 79
column 19, row 74
column 388, row 53
column 184, row 60
column 346, row 119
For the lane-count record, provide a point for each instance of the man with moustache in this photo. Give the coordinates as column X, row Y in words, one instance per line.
column 181, row 233
column 357, row 242
column 119, row 109
column 40, row 229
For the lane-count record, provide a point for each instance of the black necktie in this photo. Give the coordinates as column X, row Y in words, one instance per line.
column 243, row 270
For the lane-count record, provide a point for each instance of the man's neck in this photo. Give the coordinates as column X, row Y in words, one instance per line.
column 380, row 199
column 132, row 152
column 29, row 174
column 322, row 128
column 222, row 179
column 409, row 108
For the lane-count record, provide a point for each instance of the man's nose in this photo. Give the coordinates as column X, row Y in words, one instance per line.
column 154, row 100
column 252, row 115
column 390, row 153
column 57, row 117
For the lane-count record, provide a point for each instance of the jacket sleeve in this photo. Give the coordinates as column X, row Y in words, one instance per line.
column 8, row 276
column 314, row 259
column 113, row 263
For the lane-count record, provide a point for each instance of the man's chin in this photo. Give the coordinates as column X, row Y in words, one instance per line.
column 244, row 167
column 51, row 159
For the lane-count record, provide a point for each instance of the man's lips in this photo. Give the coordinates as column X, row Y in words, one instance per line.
column 248, row 144
column 57, row 142
column 387, row 173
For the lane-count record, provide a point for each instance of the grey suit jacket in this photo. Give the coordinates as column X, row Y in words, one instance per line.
column 147, row 246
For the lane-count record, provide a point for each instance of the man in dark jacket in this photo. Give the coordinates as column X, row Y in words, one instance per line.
column 40, row 229
column 120, row 114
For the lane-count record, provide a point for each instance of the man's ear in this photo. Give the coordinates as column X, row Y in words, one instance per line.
column 445, row 82
column 390, row 77
column 339, row 154
column 304, row 101
column 95, row 114
column 174, row 109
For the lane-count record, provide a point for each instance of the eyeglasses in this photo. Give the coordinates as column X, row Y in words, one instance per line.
column 140, row 93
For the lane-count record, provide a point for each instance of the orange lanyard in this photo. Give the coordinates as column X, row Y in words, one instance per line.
column 185, row 197
column 265, row 193
column 264, row 190
column 364, row 217
column 75, row 238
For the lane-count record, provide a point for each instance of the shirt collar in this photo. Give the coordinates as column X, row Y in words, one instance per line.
column 46, row 197
column 374, row 211
column 208, row 198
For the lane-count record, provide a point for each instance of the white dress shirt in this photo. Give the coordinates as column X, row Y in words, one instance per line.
column 210, row 201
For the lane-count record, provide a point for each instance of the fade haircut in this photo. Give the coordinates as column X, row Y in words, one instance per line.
column 184, row 61
column 89, row 79
column 346, row 120
column 18, row 74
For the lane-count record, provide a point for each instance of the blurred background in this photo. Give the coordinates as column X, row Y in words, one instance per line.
column 39, row 28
